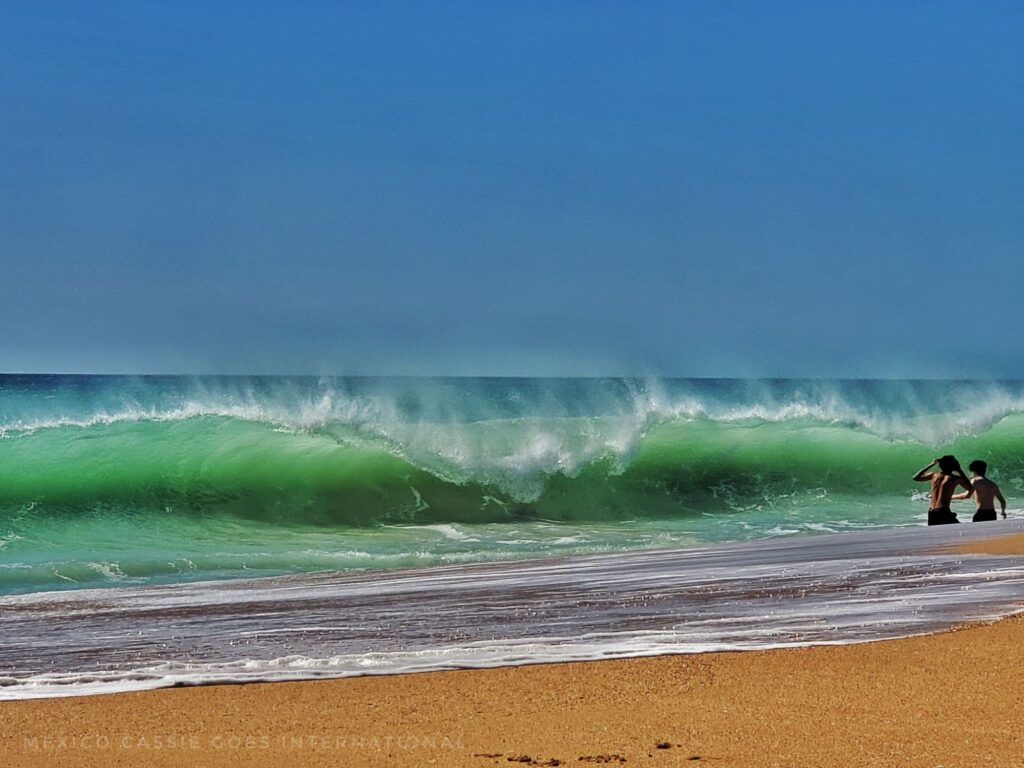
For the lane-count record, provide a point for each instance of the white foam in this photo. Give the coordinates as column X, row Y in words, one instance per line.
column 828, row 589
column 459, row 436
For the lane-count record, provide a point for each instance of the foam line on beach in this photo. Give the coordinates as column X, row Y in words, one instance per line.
column 827, row 589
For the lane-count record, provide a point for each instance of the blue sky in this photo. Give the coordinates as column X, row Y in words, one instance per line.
column 685, row 188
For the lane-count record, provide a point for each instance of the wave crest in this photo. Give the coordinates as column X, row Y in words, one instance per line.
column 366, row 452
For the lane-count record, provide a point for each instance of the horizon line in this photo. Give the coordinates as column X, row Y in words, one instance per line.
column 592, row 377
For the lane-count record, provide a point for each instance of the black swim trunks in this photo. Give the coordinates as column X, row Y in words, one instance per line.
column 941, row 516
column 984, row 515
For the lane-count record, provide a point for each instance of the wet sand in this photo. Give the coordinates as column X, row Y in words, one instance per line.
column 998, row 545
column 951, row 699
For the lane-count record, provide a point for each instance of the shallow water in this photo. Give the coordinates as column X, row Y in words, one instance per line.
column 836, row 588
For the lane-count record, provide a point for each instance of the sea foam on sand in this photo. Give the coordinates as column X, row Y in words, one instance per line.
column 827, row 589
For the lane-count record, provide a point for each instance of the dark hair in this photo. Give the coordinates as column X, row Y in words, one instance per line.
column 949, row 464
column 978, row 467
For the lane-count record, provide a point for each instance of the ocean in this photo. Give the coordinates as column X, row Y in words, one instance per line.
column 307, row 499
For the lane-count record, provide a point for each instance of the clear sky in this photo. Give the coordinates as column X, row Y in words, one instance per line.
column 680, row 188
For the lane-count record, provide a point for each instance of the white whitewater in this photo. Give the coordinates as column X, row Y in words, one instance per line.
column 827, row 589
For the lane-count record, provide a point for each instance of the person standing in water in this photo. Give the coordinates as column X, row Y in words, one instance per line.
column 944, row 485
column 985, row 493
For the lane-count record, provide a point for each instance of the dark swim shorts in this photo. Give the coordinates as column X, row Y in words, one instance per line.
column 984, row 515
column 941, row 516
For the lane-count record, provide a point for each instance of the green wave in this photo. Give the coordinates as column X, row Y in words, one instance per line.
column 204, row 466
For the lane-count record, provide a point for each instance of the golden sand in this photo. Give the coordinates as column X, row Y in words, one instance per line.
column 951, row 699
column 999, row 545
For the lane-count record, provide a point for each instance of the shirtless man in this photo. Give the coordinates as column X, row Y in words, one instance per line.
column 985, row 493
column 944, row 485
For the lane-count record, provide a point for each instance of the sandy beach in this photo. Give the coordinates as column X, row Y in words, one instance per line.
column 998, row 545
column 487, row 384
column 952, row 699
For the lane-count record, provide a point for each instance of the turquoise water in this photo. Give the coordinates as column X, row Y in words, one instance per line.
column 118, row 480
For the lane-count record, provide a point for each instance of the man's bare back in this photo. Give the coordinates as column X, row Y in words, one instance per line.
column 944, row 487
column 944, row 484
column 984, row 492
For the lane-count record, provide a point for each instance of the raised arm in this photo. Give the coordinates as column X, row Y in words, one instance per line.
column 923, row 474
